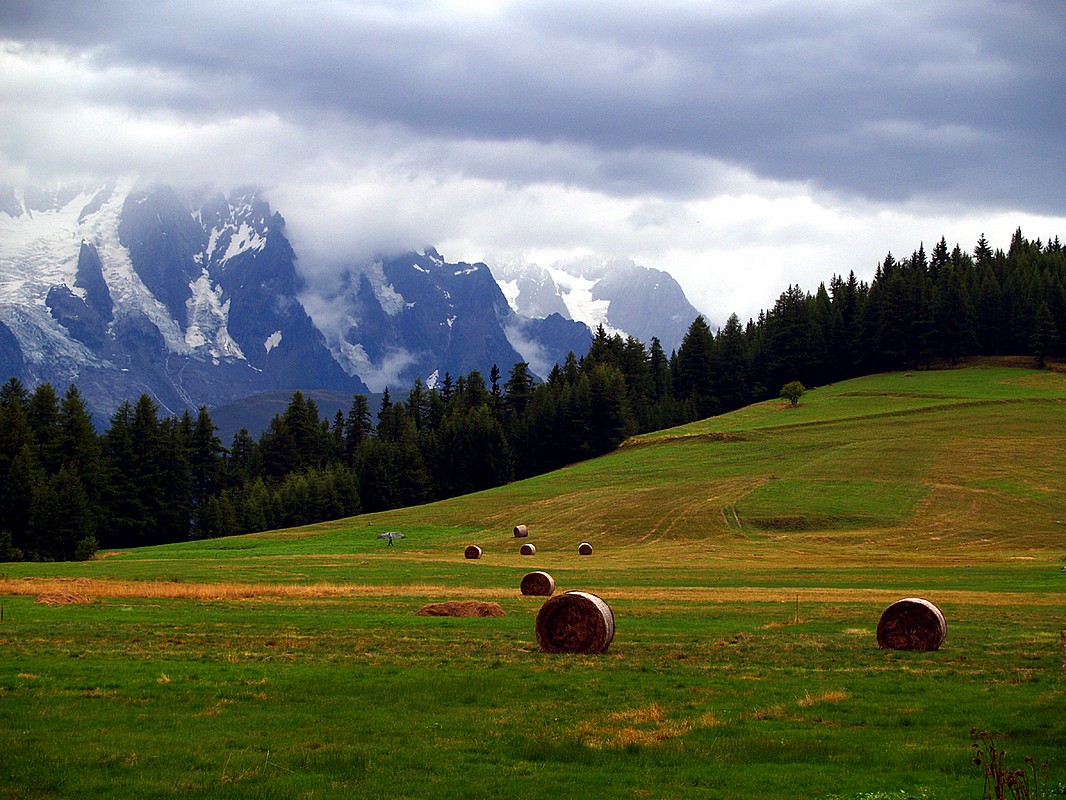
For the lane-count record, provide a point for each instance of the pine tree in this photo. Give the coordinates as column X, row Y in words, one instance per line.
column 695, row 361
column 206, row 466
column 418, row 404
column 954, row 314
column 611, row 419
column 243, row 463
column 15, row 435
column 62, row 521
column 731, row 365
column 357, row 428
column 42, row 412
column 982, row 253
column 1044, row 336
column 496, row 390
column 794, row 343
column 127, row 514
column 518, row 391
column 22, row 483
column 659, row 367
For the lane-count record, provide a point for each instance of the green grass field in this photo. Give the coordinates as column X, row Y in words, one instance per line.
column 747, row 559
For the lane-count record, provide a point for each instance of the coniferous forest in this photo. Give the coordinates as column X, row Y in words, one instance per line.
column 67, row 490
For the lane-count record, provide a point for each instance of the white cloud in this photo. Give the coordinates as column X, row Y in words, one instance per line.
column 741, row 147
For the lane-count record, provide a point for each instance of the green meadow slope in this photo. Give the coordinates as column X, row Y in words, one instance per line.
column 746, row 557
column 891, row 471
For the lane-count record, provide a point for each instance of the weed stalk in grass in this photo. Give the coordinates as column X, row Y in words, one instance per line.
column 1001, row 782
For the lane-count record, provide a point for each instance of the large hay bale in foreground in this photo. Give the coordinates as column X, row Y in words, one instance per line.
column 472, row 551
column 528, row 550
column 575, row 622
column 911, row 624
column 461, row 608
column 538, row 584
column 520, row 531
column 584, row 549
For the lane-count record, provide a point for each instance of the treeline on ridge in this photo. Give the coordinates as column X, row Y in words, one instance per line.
column 67, row 490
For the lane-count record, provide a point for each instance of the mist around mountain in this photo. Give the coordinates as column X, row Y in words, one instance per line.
column 195, row 297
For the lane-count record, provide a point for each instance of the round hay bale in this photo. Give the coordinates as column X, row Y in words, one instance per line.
column 539, row 584
column 461, row 608
column 575, row 622
column 911, row 624
column 528, row 550
column 520, row 531
column 584, row 549
column 472, row 551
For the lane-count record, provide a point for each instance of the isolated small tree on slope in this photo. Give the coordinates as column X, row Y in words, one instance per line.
column 793, row 391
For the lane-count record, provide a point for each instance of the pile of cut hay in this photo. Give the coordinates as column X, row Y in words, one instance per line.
column 61, row 598
column 584, row 549
column 911, row 624
column 528, row 550
column 461, row 608
column 520, row 531
column 538, row 584
column 472, row 551
column 575, row 622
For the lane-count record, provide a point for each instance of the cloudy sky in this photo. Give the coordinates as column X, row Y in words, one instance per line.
column 742, row 145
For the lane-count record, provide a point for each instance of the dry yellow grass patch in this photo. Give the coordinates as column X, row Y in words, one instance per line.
column 174, row 590
column 832, row 696
column 230, row 591
column 773, row 712
column 638, row 726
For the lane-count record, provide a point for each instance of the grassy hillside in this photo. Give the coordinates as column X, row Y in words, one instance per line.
column 747, row 559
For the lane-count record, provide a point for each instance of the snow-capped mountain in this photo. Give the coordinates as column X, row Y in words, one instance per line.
column 126, row 290
column 418, row 316
column 614, row 292
column 196, row 299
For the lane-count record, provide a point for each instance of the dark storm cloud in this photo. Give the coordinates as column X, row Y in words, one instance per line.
column 884, row 101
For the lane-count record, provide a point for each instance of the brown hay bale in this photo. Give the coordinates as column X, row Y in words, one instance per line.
column 461, row 608
column 472, row 551
column 61, row 598
column 575, row 622
column 528, row 550
column 911, row 624
column 520, row 531
column 584, row 549
column 539, row 584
